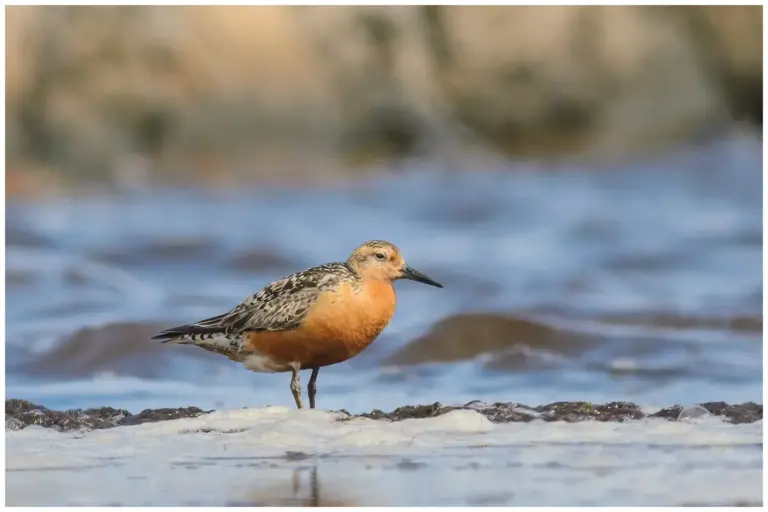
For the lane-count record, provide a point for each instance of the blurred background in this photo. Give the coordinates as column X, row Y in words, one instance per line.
column 586, row 182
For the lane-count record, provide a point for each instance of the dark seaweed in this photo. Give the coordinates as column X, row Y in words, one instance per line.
column 21, row 413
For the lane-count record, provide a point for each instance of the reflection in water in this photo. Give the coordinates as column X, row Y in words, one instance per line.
column 304, row 491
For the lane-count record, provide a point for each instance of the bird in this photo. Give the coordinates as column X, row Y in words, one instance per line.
column 310, row 319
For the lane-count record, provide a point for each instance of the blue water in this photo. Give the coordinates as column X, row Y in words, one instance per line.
column 606, row 252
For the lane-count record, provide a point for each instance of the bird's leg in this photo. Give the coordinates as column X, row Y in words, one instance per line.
column 312, row 387
column 296, row 387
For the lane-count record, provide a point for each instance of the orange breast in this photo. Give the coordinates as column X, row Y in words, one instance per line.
column 338, row 326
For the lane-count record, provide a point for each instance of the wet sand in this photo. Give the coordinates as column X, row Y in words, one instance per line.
column 428, row 456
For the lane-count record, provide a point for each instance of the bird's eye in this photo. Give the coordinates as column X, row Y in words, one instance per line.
column 380, row 256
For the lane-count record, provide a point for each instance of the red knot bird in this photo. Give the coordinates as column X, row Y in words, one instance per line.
column 318, row 317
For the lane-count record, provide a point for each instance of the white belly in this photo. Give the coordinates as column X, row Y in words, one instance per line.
column 264, row 364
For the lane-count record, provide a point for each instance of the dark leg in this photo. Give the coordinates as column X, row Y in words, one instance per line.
column 312, row 387
column 296, row 387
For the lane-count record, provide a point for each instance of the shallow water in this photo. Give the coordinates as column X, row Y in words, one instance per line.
column 656, row 264
column 277, row 455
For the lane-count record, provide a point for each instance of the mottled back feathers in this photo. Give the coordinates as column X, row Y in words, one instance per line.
column 283, row 304
column 279, row 306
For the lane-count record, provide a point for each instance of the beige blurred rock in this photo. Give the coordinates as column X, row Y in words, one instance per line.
column 602, row 81
column 296, row 92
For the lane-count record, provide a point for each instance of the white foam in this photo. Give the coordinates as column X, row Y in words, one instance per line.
column 461, row 456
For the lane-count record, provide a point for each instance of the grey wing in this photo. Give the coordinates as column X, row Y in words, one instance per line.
column 267, row 312
column 280, row 306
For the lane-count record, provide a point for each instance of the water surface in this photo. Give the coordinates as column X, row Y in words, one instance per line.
column 638, row 282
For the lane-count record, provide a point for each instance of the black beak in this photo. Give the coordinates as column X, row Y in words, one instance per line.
column 415, row 275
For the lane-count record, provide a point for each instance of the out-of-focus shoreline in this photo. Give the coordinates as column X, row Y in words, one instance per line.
column 145, row 95
column 34, row 183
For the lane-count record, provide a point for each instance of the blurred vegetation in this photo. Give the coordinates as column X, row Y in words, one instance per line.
column 146, row 94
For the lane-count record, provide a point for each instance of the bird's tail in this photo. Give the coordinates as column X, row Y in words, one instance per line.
column 192, row 333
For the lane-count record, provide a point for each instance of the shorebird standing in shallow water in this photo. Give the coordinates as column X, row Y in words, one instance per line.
column 314, row 318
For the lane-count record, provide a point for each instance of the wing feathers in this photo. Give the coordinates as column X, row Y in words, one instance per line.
column 207, row 326
column 279, row 306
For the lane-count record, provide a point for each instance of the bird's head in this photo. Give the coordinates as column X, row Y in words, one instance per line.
column 382, row 260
